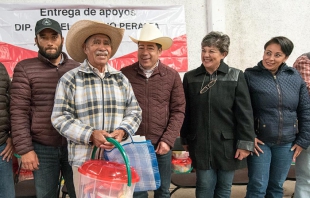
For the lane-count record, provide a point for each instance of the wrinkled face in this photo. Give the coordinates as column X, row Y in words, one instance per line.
column 148, row 54
column 49, row 43
column 273, row 57
column 211, row 58
column 98, row 50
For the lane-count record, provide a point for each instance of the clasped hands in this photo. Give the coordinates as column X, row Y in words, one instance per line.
column 98, row 138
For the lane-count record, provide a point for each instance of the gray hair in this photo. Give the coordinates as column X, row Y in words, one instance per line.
column 218, row 40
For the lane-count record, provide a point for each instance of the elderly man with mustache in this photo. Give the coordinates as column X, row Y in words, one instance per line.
column 94, row 101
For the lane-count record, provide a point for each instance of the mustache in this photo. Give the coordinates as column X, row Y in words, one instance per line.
column 50, row 48
column 102, row 53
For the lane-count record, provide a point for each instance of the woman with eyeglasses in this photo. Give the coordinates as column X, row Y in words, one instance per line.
column 218, row 128
column 281, row 108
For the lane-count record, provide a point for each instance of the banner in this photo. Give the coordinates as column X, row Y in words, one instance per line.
column 17, row 24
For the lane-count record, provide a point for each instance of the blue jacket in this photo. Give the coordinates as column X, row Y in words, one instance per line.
column 281, row 105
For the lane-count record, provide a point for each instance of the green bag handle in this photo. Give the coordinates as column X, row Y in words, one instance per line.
column 125, row 157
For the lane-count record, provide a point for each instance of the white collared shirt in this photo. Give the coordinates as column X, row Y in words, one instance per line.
column 148, row 72
column 97, row 70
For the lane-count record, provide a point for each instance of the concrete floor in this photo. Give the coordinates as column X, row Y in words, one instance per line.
column 236, row 191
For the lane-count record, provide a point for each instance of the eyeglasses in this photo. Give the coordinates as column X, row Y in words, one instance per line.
column 209, row 85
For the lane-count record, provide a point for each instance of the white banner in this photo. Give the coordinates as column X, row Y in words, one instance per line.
column 17, row 24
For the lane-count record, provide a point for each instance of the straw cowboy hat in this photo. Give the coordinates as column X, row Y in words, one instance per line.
column 150, row 33
column 83, row 29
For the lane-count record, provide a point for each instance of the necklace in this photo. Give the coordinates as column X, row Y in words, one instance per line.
column 209, row 85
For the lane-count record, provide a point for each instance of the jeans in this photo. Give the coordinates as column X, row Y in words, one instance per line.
column 52, row 160
column 164, row 166
column 268, row 171
column 302, row 168
column 214, row 183
column 6, row 180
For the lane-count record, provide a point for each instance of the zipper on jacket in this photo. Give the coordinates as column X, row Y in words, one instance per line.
column 279, row 110
column 166, row 115
column 257, row 127
column 209, row 127
column 148, row 107
column 102, row 83
column 57, row 70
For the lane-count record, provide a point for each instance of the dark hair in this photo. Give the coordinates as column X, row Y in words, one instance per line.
column 218, row 40
column 286, row 44
column 159, row 46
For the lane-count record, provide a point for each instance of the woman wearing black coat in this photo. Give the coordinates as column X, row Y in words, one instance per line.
column 218, row 127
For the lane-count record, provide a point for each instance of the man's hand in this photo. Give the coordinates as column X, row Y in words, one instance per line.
column 30, row 161
column 162, row 148
column 98, row 138
column 7, row 153
column 241, row 154
column 118, row 134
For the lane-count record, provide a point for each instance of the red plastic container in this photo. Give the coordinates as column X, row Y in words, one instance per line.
column 182, row 165
column 104, row 179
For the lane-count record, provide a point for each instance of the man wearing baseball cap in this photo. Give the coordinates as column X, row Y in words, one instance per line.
column 93, row 101
column 42, row 149
column 160, row 94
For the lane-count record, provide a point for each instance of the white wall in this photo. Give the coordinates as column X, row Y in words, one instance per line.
column 249, row 23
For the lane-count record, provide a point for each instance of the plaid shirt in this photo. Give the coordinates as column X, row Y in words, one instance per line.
column 85, row 102
column 302, row 64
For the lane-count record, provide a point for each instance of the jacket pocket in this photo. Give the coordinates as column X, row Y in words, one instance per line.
column 228, row 143
column 256, row 125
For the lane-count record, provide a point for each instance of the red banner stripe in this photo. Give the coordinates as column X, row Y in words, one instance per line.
column 175, row 57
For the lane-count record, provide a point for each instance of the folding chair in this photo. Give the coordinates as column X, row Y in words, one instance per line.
column 64, row 191
column 291, row 173
column 25, row 189
column 183, row 180
column 241, row 177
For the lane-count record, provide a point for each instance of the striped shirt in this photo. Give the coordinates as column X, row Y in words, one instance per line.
column 85, row 102
column 302, row 64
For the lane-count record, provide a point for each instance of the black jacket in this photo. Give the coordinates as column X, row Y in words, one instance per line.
column 219, row 121
column 4, row 104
